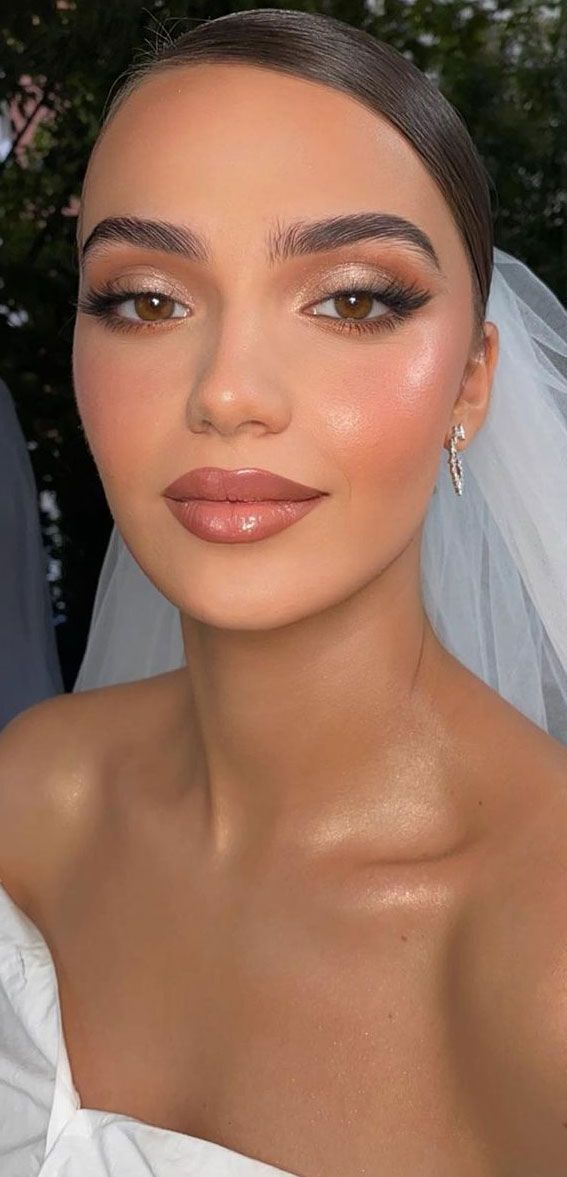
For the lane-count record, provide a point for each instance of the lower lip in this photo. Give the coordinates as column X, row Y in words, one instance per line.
column 238, row 523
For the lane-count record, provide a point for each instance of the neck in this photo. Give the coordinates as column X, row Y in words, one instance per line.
column 328, row 732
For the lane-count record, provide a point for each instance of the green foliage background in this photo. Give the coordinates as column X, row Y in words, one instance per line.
column 503, row 65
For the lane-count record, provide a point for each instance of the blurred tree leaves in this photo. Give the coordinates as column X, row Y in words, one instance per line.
column 501, row 64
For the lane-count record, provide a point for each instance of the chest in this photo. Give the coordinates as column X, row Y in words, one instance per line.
column 314, row 1033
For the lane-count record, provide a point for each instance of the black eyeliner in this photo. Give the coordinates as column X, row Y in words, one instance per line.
column 401, row 299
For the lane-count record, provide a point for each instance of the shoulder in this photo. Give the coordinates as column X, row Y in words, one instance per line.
column 44, row 760
column 51, row 759
column 509, row 979
column 55, row 760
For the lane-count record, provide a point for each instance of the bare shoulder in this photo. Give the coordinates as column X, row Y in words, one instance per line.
column 45, row 764
column 510, row 976
column 508, row 946
column 518, row 768
column 52, row 761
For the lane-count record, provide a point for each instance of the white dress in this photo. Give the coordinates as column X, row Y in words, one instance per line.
column 44, row 1131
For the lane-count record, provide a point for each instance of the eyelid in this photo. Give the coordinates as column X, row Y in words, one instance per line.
column 367, row 272
column 145, row 278
column 142, row 283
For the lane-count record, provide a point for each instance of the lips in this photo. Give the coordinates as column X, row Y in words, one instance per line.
column 245, row 486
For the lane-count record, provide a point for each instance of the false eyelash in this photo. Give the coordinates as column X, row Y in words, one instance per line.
column 100, row 303
column 401, row 299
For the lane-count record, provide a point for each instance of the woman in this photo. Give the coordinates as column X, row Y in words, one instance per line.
column 300, row 901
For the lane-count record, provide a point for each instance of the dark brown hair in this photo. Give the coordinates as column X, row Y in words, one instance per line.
column 326, row 50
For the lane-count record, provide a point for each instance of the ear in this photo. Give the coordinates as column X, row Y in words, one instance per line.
column 471, row 406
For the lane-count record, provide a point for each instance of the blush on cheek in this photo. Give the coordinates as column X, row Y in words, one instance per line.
column 388, row 428
column 119, row 422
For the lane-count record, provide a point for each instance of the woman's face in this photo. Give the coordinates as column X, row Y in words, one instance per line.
column 248, row 361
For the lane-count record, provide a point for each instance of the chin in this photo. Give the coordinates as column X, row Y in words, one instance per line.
column 244, row 612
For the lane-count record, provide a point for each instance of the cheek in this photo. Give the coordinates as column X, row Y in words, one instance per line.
column 386, row 426
column 118, row 405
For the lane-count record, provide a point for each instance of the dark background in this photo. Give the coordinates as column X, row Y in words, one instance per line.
column 503, row 65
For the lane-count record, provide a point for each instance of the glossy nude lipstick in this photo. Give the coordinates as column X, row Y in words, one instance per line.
column 238, row 506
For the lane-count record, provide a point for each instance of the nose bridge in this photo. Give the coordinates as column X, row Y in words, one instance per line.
column 236, row 380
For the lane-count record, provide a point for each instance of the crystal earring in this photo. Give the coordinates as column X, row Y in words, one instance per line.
column 455, row 464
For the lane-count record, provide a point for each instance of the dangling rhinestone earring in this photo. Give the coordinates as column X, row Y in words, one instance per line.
column 455, row 464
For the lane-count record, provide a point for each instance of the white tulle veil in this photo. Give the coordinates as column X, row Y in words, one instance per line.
column 493, row 560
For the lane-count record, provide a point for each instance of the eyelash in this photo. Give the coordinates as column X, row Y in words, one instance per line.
column 401, row 299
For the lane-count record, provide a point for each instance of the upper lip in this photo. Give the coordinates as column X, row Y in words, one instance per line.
column 249, row 485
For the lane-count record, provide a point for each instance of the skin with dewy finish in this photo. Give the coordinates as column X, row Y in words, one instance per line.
column 347, row 849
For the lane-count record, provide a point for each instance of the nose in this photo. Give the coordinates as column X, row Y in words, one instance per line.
column 237, row 388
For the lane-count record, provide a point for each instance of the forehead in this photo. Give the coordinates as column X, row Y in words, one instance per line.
column 231, row 146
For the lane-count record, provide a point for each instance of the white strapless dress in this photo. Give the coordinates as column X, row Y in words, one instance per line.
column 44, row 1131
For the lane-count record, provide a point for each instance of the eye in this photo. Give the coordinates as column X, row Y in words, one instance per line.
column 354, row 306
column 127, row 310
column 150, row 307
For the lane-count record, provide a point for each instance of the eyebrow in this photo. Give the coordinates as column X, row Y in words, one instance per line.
column 282, row 241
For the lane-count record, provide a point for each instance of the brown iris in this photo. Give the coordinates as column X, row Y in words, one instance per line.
column 363, row 298
column 153, row 307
